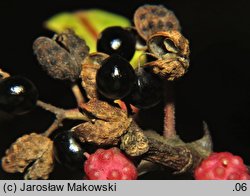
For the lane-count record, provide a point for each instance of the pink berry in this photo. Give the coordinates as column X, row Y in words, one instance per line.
column 222, row 166
column 109, row 164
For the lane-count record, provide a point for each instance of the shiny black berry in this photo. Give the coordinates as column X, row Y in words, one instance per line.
column 115, row 78
column 147, row 91
column 117, row 40
column 18, row 95
column 68, row 151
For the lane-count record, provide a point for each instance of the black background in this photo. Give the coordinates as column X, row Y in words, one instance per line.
column 216, row 88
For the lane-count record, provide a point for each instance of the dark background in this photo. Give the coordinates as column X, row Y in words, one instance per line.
column 216, row 88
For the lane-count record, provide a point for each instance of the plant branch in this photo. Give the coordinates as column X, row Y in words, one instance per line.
column 173, row 153
column 72, row 114
column 61, row 114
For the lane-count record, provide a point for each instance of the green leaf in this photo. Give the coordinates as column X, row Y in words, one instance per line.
column 88, row 24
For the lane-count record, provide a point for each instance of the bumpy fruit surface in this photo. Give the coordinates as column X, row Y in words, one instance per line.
column 68, row 151
column 222, row 166
column 109, row 164
column 147, row 91
column 117, row 40
column 18, row 95
column 115, row 78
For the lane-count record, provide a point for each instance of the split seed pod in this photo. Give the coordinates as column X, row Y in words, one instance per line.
column 32, row 154
column 108, row 123
column 62, row 56
column 172, row 50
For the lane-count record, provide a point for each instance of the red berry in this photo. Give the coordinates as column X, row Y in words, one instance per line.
column 109, row 164
column 222, row 166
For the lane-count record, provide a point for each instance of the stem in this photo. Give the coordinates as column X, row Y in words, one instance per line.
column 4, row 74
column 169, row 112
column 77, row 93
column 61, row 114
column 72, row 114
column 55, row 125
column 175, row 155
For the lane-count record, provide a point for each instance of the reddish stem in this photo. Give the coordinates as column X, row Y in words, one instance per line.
column 169, row 111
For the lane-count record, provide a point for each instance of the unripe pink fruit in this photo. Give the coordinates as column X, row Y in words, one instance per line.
column 109, row 164
column 222, row 166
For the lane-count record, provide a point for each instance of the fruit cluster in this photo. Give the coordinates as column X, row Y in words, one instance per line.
column 116, row 79
column 107, row 76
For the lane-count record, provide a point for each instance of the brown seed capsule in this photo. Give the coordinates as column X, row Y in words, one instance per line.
column 61, row 57
column 170, row 68
column 108, row 124
column 150, row 19
column 172, row 50
column 162, row 43
column 34, row 151
column 73, row 44
column 88, row 74
column 134, row 142
column 42, row 167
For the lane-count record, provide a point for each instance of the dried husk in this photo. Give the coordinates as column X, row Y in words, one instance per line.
column 134, row 142
column 42, row 167
column 34, row 151
column 170, row 68
column 62, row 56
column 88, row 74
column 165, row 42
column 73, row 44
column 150, row 19
column 172, row 50
column 108, row 124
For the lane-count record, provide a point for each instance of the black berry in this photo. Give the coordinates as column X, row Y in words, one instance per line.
column 115, row 78
column 68, row 151
column 147, row 91
column 18, row 95
column 117, row 40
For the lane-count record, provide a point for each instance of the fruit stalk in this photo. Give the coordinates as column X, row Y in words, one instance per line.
column 55, row 125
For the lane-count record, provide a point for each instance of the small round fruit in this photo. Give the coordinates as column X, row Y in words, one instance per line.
column 115, row 78
column 222, row 166
column 68, row 152
column 147, row 91
column 18, row 95
column 117, row 40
